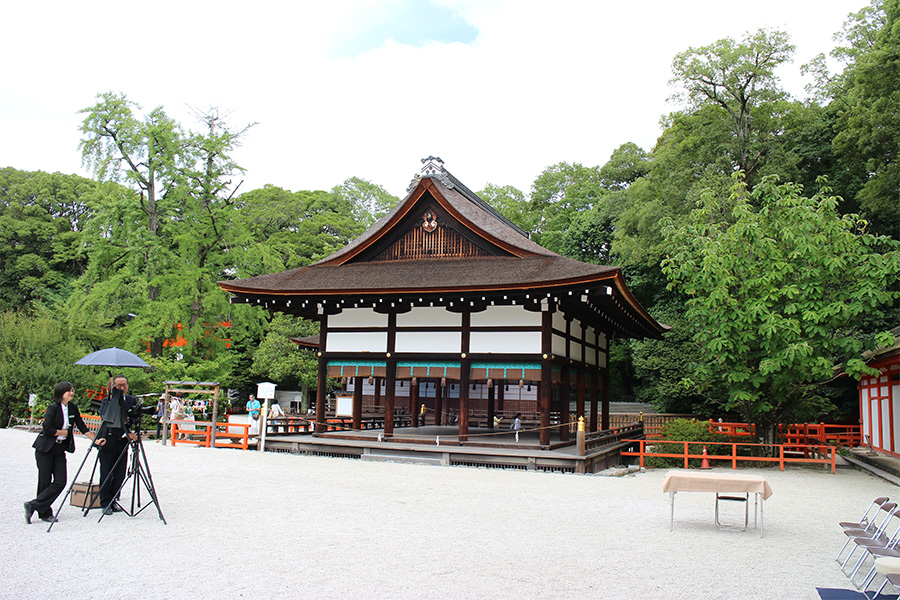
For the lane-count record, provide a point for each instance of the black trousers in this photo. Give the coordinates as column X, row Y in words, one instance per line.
column 51, row 478
column 111, row 479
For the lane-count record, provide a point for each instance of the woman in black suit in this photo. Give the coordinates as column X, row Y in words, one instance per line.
column 50, row 447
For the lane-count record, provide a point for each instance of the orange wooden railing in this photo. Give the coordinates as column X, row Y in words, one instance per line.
column 732, row 429
column 827, row 453
column 228, row 435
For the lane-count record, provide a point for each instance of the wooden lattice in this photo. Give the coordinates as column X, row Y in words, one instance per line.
column 420, row 244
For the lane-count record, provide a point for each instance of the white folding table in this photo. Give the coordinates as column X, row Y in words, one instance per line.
column 723, row 484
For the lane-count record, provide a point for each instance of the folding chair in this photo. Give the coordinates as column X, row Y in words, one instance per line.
column 890, row 568
column 875, row 547
column 873, row 530
column 864, row 521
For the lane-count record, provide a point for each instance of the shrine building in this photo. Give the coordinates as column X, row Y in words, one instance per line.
column 445, row 302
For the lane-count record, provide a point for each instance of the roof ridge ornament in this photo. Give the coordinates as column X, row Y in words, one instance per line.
column 432, row 166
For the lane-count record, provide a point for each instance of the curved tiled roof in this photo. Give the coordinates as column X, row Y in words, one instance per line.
column 404, row 276
column 524, row 265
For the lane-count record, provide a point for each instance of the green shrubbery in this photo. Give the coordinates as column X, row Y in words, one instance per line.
column 685, row 430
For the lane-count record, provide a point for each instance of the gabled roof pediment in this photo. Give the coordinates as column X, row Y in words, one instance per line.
column 439, row 219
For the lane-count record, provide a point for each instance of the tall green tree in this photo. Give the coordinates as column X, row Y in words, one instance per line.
column 370, row 201
column 512, row 203
column 36, row 353
column 869, row 115
column 779, row 295
column 558, row 195
column 159, row 248
column 739, row 80
column 41, row 221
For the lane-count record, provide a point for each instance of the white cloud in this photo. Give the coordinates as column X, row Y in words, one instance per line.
column 542, row 83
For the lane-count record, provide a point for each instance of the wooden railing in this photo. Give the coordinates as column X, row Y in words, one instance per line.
column 653, row 422
column 734, row 430
column 821, row 454
column 228, row 435
column 598, row 439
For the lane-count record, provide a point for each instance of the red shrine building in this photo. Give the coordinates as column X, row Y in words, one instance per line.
column 879, row 398
column 446, row 303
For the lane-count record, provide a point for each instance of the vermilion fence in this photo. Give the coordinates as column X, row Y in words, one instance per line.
column 821, row 454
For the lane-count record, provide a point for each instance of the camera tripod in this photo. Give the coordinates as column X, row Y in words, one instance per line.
column 138, row 472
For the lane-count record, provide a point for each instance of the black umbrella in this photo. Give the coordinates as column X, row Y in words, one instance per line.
column 112, row 357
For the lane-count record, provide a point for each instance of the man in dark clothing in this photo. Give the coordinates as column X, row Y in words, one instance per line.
column 113, row 441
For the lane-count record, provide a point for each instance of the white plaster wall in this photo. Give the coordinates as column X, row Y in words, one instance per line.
column 558, row 346
column 375, row 341
column 886, row 422
column 507, row 342
column 590, row 356
column 358, row 317
column 429, row 316
column 864, row 403
column 575, row 351
column 428, row 341
column 602, row 340
column 505, row 316
column 559, row 321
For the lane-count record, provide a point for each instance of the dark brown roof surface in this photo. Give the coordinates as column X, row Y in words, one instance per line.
column 486, row 273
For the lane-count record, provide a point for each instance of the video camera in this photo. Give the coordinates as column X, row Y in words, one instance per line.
column 134, row 412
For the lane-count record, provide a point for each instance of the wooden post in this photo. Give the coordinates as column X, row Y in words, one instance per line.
column 595, row 398
column 321, row 391
column 414, row 401
column 357, row 402
column 565, row 401
column 579, row 395
column 545, row 388
column 464, row 368
column 604, row 412
column 215, row 416
column 441, row 397
column 580, row 437
column 490, row 411
column 390, row 392
column 165, row 428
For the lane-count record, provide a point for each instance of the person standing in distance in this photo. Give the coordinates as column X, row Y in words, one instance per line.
column 50, row 447
column 113, row 440
column 253, row 407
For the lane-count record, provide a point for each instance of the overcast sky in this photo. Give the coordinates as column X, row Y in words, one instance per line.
column 499, row 89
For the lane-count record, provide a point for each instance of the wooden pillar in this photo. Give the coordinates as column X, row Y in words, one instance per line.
column 500, row 393
column 565, row 401
column 414, row 401
column 595, row 396
column 390, row 380
column 321, row 390
column 545, row 387
column 321, row 393
column 490, row 411
column 377, row 392
column 390, row 385
column 579, row 394
column 604, row 411
column 464, row 368
column 357, row 402
column 464, row 372
column 440, row 400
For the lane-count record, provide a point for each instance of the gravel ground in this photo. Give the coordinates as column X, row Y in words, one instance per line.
column 244, row 524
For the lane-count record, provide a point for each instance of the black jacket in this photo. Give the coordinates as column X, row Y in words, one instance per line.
column 53, row 421
column 127, row 403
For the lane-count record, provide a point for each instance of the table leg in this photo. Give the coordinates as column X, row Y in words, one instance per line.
column 761, row 517
column 672, row 512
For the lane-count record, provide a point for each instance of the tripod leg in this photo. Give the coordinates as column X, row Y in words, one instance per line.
column 108, row 476
column 148, row 480
column 69, row 491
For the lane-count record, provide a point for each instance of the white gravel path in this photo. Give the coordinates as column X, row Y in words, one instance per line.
column 244, row 524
